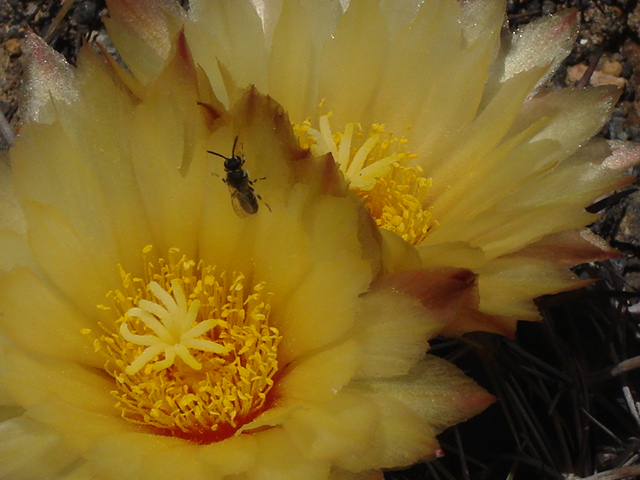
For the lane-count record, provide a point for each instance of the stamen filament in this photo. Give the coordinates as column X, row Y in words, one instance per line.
column 376, row 167
column 190, row 353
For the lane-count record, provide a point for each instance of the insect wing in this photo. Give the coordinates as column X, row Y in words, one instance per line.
column 244, row 203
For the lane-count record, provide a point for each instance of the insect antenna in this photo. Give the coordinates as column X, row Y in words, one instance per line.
column 218, row 154
column 233, row 151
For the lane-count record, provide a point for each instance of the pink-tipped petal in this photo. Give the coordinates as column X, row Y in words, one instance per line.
column 48, row 77
column 545, row 42
column 624, row 155
column 452, row 396
column 570, row 248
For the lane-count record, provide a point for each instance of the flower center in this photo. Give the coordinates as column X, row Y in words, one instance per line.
column 375, row 166
column 192, row 352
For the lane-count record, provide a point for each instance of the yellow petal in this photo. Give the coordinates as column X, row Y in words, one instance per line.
column 11, row 216
column 29, row 450
column 268, row 153
column 401, row 438
column 445, row 113
column 320, row 377
column 17, row 251
column 393, row 329
column 570, row 248
column 278, row 459
column 470, row 161
column 40, row 321
column 91, row 126
column 451, row 254
column 482, row 16
column 321, row 310
column 177, row 462
column 293, row 65
column 271, row 417
column 49, row 170
column 437, row 391
column 169, row 156
column 417, row 53
column 79, row 428
column 8, row 409
column 361, row 37
column 78, row 271
column 576, row 114
column 397, row 254
column 124, row 456
column 143, row 30
column 279, row 246
column 231, row 456
column 80, row 472
column 234, row 32
column 339, row 428
column 31, row 380
column 508, row 285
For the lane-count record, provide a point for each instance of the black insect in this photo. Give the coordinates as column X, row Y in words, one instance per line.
column 244, row 199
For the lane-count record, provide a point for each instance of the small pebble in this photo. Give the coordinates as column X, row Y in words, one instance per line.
column 13, row 47
column 612, row 67
column 86, row 12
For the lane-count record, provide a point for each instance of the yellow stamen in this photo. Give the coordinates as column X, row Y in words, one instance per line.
column 191, row 353
column 375, row 164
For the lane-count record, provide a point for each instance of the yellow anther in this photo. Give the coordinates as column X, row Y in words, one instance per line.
column 375, row 164
column 190, row 352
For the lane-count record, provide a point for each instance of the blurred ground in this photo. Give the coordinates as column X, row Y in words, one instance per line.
column 568, row 388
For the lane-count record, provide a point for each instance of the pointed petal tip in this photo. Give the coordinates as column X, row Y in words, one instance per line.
column 182, row 48
column 332, row 182
column 624, row 155
column 570, row 248
column 181, row 62
column 254, row 107
column 545, row 42
column 143, row 31
column 563, row 24
column 48, row 76
column 569, row 18
column 611, row 93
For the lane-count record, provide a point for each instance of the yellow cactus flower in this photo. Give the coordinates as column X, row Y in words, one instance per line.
column 150, row 330
column 438, row 122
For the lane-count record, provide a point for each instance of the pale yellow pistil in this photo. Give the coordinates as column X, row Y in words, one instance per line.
column 191, row 353
column 175, row 327
column 375, row 164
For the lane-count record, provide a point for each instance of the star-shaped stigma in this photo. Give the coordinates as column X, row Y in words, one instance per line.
column 173, row 326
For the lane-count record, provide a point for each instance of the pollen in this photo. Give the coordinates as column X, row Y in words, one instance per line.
column 376, row 165
column 190, row 349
